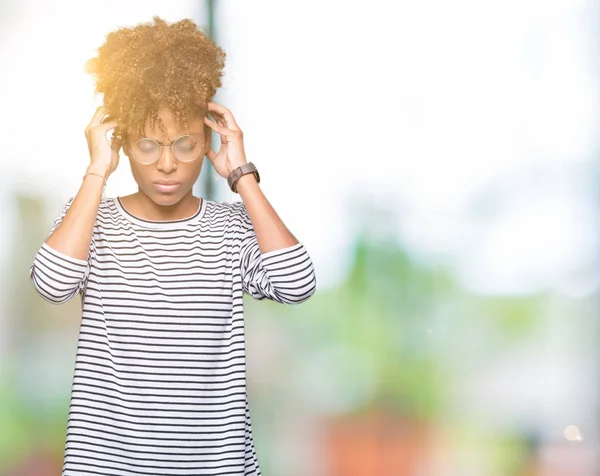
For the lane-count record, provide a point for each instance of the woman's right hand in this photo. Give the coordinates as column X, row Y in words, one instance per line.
column 104, row 155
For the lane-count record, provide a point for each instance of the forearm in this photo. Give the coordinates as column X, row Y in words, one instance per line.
column 74, row 234
column 270, row 230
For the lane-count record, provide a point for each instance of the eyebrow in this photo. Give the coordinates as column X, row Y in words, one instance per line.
column 180, row 135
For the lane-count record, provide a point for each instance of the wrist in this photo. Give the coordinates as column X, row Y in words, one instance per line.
column 103, row 170
column 236, row 174
column 246, row 180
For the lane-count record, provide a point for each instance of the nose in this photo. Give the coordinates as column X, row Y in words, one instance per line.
column 167, row 162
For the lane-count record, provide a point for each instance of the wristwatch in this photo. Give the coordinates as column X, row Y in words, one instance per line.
column 238, row 172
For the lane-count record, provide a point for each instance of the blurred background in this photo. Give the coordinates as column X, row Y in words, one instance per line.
column 439, row 161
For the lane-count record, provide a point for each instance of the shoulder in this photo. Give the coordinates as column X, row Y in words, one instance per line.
column 234, row 213
column 232, row 209
column 108, row 207
column 109, row 215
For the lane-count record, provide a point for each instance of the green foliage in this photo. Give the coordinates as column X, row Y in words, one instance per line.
column 385, row 334
column 23, row 427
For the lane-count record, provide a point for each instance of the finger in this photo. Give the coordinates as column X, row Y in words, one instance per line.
column 230, row 121
column 211, row 154
column 217, row 128
column 98, row 116
column 107, row 126
column 219, row 119
column 115, row 143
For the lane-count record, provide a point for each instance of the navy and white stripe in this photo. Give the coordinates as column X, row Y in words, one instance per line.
column 159, row 386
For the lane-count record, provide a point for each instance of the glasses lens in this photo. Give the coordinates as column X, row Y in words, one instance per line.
column 146, row 151
column 187, row 148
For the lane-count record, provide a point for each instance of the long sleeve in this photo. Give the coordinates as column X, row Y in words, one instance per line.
column 56, row 276
column 286, row 276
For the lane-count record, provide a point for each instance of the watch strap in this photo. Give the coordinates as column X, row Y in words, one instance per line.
column 236, row 173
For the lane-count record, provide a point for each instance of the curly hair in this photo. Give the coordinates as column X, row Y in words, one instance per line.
column 142, row 69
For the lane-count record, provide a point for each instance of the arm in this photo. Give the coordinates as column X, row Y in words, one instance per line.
column 270, row 230
column 273, row 263
column 72, row 235
column 61, row 265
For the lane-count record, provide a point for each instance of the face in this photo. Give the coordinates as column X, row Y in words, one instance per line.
column 168, row 180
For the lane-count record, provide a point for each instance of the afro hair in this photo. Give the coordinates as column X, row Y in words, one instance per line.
column 154, row 65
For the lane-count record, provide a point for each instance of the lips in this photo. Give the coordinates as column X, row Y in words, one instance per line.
column 166, row 186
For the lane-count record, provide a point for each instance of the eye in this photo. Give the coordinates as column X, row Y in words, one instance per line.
column 146, row 146
column 186, row 143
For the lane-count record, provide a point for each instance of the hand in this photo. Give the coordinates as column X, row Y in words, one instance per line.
column 231, row 154
column 104, row 155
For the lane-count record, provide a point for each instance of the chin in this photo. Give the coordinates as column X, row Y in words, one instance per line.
column 166, row 199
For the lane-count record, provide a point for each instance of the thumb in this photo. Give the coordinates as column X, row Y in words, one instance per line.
column 210, row 153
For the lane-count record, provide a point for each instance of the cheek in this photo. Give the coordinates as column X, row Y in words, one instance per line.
column 137, row 171
column 191, row 171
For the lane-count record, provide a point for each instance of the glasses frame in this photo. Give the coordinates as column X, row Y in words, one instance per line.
column 162, row 146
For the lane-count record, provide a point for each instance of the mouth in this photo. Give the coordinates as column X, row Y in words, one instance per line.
column 166, row 186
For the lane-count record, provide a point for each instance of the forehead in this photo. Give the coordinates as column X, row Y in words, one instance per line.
column 171, row 129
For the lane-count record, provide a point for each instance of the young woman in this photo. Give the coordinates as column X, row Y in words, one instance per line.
column 159, row 386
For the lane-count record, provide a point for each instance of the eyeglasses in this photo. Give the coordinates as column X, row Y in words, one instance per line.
column 185, row 149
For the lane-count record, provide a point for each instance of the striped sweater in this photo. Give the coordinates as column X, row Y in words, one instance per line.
column 159, row 385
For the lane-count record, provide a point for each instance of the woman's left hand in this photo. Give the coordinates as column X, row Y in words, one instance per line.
column 231, row 154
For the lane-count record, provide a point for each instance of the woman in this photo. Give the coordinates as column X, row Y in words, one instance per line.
column 159, row 386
